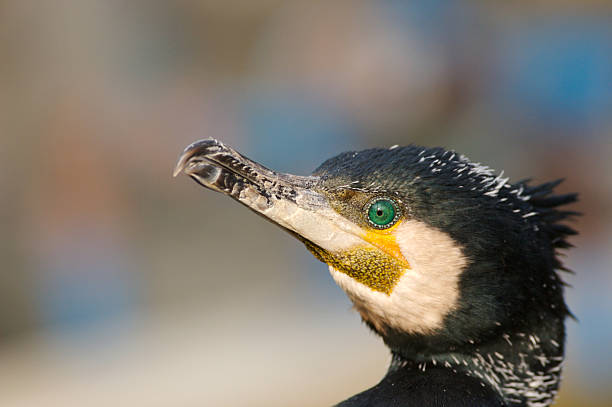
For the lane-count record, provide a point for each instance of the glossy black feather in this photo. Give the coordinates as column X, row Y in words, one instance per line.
column 436, row 387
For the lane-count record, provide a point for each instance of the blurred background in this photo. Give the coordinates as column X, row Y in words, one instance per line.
column 121, row 286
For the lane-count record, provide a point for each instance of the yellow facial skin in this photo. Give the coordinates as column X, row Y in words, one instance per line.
column 384, row 239
column 379, row 267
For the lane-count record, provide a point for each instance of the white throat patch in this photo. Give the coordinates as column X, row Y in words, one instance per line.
column 426, row 292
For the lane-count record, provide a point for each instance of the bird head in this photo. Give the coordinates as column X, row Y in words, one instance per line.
column 435, row 252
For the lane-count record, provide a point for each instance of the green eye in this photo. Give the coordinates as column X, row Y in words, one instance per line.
column 382, row 213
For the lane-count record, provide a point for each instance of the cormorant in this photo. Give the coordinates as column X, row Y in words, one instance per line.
column 452, row 265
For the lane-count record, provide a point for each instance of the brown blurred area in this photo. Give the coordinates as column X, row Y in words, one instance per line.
column 122, row 286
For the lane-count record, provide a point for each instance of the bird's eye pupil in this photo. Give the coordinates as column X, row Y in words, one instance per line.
column 382, row 213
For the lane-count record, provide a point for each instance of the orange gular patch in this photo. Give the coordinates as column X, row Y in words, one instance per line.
column 385, row 240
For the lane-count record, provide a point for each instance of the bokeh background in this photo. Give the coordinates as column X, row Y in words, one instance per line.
column 121, row 286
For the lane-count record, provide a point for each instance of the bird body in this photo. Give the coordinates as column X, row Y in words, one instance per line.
column 451, row 264
column 439, row 386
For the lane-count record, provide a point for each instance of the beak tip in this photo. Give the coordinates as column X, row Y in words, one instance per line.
column 192, row 150
column 182, row 162
column 177, row 170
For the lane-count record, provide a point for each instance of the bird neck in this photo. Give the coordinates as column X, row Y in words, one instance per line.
column 523, row 367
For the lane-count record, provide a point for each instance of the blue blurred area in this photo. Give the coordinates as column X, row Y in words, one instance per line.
column 436, row 18
column 84, row 282
column 294, row 131
column 99, row 97
column 556, row 73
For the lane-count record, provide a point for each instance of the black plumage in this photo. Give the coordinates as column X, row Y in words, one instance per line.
column 437, row 386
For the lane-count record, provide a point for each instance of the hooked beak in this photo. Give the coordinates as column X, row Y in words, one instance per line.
column 220, row 168
column 290, row 201
column 209, row 162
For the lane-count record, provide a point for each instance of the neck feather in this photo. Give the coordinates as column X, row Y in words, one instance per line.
column 523, row 367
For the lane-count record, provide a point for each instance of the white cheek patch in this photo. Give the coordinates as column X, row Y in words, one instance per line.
column 425, row 294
